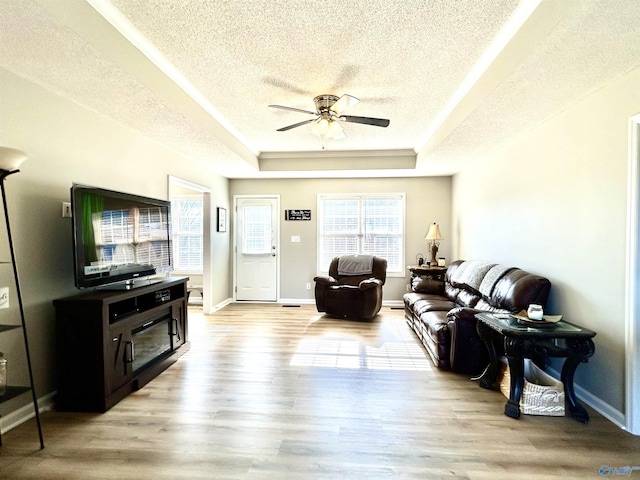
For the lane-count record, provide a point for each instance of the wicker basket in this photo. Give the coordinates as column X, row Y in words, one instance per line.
column 541, row 395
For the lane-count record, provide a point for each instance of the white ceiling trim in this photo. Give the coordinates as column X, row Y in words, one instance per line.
column 338, row 154
column 530, row 23
column 107, row 38
column 506, row 34
column 395, row 160
column 133, row 35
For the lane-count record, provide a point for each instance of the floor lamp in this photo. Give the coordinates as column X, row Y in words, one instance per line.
column 10, row 161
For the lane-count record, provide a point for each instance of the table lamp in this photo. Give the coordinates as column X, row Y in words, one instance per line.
column 433, row 235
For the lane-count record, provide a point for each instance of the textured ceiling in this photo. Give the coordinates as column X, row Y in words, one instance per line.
column 455, row 77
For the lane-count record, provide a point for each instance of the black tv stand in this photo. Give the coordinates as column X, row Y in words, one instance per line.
column 113, row 342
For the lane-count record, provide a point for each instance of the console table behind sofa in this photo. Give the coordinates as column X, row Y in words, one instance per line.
column 443, row 316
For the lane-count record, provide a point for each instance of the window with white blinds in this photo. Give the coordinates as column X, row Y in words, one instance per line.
column 187, row 229
column 362, row 224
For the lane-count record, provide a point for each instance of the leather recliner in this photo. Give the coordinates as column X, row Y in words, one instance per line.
column 351, row 295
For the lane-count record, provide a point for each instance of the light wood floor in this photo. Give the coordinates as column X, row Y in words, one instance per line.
column 273, row 392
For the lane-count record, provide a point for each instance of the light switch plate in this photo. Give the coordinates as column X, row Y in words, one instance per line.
column 66, row 210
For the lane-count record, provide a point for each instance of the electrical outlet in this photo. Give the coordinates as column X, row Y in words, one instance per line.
column 66, row 210
column 308, row 286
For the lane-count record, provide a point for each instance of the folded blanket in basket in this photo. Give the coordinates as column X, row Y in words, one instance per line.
column 355, row 265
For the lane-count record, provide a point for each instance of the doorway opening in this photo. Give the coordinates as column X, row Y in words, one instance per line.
column 190, row 204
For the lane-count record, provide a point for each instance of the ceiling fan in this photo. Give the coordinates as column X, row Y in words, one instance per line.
column 328, row 114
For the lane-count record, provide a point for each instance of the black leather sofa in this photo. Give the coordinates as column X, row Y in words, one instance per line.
column 442, row 313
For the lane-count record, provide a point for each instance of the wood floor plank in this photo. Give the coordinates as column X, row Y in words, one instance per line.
column 270, row 392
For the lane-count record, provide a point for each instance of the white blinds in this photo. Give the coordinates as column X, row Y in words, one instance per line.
column 187, row 213
column 362, row 224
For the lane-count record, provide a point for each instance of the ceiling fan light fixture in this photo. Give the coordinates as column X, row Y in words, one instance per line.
column 328, row 128
column 329, row 115
column 321, row 127
column 335, row 130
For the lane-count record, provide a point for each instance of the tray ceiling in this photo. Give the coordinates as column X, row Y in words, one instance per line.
column 454, row 78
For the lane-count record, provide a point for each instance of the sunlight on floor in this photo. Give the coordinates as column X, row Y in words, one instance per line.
column 350, row 354
column 328, row 343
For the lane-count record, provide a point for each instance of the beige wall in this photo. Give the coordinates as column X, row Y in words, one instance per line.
column 553, row 201
column 67, row 144
column 427, row 200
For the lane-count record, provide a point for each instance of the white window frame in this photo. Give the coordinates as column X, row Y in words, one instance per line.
column 175, row 234
column 400, row 271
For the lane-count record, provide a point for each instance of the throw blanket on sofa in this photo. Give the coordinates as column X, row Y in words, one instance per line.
column 355, row 265
column 491, row 278
column 471, row 273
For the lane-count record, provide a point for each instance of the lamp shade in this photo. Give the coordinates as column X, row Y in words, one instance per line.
column 328, row 128
column 11, row 159
column 335, row 130
column 320, row 128
column 434, row 232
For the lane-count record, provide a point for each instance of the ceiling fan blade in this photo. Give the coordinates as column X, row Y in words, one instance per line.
column 378, row 122
column 282, row 107
column 289, row 127
column 344, row 102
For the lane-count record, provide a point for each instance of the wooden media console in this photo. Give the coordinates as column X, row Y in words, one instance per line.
column 113, row 342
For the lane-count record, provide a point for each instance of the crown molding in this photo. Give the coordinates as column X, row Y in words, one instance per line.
column 338, row 160
column 338, row 154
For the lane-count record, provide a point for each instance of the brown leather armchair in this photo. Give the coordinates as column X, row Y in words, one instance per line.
column 353, row 288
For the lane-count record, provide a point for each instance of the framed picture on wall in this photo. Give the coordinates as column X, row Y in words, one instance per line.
column 222, row 219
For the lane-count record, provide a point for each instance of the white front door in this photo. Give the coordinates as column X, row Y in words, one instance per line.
column 256, row 249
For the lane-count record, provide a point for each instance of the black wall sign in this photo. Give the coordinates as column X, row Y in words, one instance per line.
column 297, row 214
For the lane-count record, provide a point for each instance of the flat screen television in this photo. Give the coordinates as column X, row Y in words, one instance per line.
column 119, row 239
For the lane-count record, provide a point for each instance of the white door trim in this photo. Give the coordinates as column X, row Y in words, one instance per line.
column 632, row 297
column 275, row 197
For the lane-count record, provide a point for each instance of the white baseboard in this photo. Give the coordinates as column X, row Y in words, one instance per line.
column 311, row 301
column 222, row 304
column 212, row 309
column 393, row 303
column 603, row 408
column 396, row 304
column 297, row 301
column 21, row 415
column 614, row 415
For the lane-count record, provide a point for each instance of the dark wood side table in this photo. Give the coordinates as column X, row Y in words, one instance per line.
column 431, row 279
column 436, row 273
column 562, row 340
